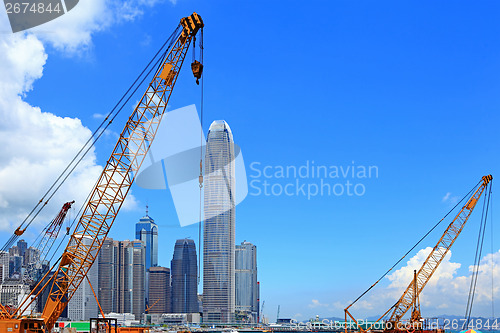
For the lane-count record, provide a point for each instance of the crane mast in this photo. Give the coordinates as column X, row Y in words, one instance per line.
column 116, row 179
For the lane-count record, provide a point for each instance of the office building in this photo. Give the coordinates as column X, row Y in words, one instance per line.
column 247, row 289
column 108, row 276
column 184, row 277
column 22, row 246
column 83, row 304
column 159, row 290
column 138, row 278
column 146, row 230
column 4, row 265
column 122, row 277
column 219, row 226
column 131, row 277
column 15, row 266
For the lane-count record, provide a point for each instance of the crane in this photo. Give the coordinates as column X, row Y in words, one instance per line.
column 110, row 190
column 43, row 246
column 410, row 297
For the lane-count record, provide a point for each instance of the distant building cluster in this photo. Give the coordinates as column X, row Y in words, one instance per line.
column 131, row 286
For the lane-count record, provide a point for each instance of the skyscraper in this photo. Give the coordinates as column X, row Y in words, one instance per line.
column 146, row 230
column 108, row 276
column 83, row 304
column 122, row 276
column 184, row 277
column 131, row 284
column 219, row 225
column 22, row 246
column 247, row 290
column 138, row 277
column 4, row 265
column 159, row 290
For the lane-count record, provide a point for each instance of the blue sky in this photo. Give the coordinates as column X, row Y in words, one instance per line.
column 411, row 88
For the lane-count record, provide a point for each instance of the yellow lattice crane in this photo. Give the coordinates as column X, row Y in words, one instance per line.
column 109, row 192
column 410, row 297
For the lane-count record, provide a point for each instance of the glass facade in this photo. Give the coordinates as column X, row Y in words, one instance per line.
column 83, row 304
column 146, row 231
column 184, row 277
column 219, row 226
column 159, row 290
column 247, row 289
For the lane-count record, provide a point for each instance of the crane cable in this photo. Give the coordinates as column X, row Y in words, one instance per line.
column 96, row 135
column 414, row 246
column 492, row 262
column 477, row 257
column 201, row 162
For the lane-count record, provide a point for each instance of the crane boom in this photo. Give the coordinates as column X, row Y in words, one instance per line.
column 49, row 236
column 117, row 177
column 437, row 255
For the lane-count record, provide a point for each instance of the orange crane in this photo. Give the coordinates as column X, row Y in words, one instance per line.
column 410, row 297
column 109, row 192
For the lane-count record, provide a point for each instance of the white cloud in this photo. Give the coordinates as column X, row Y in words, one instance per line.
column 98, row 116
column 72, row 32
column 36, row 145
column 316, row 304
column 448, row 198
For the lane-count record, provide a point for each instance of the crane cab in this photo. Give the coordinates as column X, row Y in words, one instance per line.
column 27, row 325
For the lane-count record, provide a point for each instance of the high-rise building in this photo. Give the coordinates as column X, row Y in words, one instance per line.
column 138, row 253
column 122, row 277
column 219, row 225
column 184, row 277
column 4, row 265
column 247, row 290
column 146, row 230
column 159, row 290
column 15, row 265
column 22, row 246
column 131, row 275
column 83, row 304
column 108, row 276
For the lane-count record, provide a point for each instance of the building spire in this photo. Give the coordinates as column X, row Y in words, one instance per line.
column 147, row 210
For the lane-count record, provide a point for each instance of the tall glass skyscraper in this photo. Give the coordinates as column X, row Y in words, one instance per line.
column 121, row 280
column 184, row 277
column 146, row 230
column 247, row 289
column 219, row 226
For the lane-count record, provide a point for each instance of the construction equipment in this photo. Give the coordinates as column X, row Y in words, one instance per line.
column 42, row 247
column 410, row 297
column 151, row 306
column 109, row 192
